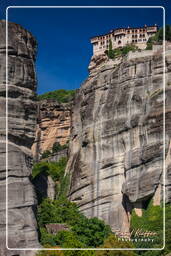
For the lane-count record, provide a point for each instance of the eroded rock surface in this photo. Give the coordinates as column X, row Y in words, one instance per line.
column 116, row 152
column 53, row 125
column 44, row 186
column 22, row 227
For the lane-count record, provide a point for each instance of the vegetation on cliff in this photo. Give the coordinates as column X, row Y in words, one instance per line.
column 112, row 241
column 57, row 172
column 54, row 169
column 93, row 233
column 62, row 96
column 120, row 51
column 152, row 220
column 83, row 232
column 57, row 147
column 158, row 37
column 66, row 253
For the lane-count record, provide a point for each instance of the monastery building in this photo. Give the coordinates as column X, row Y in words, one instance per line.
column 123, row 36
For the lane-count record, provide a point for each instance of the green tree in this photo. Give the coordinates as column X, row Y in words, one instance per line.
column 128, row 48
column 113, row 53
column 68, row 239
column 113, row 242
column 46, row 239
column 54, row 169
column 158, row 37
column 55, row 252
column 79, row 253
column 110, row 52
column 57, row 147
column 90, row 232
column 168, row 32
column 57, row 211
column 66, row 253
column 45, row 154
column 152, row 220
column 62, row 96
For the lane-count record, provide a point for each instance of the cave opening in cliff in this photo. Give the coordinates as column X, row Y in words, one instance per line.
column 145, row 203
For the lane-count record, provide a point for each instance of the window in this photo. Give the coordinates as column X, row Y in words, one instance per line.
column 132, row 41
column 119, row 42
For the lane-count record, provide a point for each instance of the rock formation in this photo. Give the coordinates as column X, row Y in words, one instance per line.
column 22, row 227
column 53, row 125
column 116, row 149
column 44, row 186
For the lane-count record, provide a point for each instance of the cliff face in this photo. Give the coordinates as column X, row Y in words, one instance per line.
column 116, row 151
column 22, row 229
column 53, row 125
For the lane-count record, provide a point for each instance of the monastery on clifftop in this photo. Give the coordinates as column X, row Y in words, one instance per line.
column 123, row 36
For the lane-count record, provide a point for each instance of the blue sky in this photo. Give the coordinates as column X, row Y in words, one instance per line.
column 63, row 35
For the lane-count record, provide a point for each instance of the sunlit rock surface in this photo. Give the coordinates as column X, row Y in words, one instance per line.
column 116, row 150
column 53, row 125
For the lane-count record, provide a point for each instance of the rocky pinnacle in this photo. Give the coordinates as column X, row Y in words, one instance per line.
column 22, row 227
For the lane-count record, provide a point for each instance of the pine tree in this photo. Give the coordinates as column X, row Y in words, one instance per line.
column 110, row 52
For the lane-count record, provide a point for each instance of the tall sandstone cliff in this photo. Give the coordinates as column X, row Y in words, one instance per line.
column 22, row 227
column 116, row 150
column 53, row 125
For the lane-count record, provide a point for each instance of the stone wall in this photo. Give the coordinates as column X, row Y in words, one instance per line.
column 22, row 227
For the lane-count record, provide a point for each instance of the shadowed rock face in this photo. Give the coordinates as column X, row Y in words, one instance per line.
column 116, row 153
column 22, row 227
